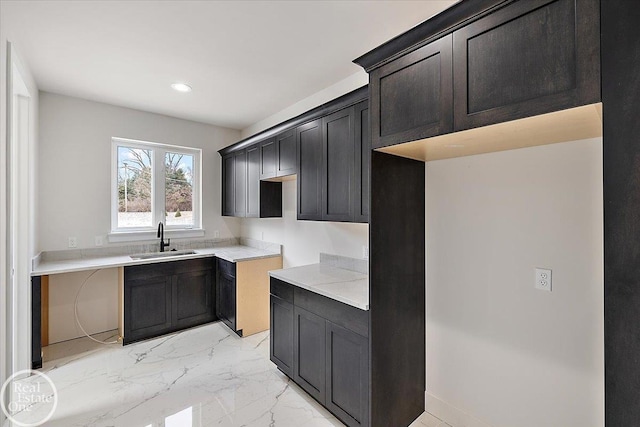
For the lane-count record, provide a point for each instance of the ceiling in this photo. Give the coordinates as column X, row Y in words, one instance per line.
column 245, row 60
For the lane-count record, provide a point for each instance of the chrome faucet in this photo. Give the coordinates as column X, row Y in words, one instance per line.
column 161, row 237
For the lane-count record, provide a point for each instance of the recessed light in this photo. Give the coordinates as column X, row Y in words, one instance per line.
column 181, row 87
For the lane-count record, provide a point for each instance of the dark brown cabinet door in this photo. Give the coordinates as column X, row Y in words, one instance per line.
column 338, row 165
column 412, row 97
column 193, row 298
column 228, row 180
column 268, row 158
column 347, row 380
column 147, row 307
column 309, row 141
column 240, row 183
column 363, row 156
column 286, row 149
column 281, row 338
column 309, row 365
column 529, row 58
column 253, row 181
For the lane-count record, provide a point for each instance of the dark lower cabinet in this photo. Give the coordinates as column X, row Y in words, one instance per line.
column 323, row 346
column 193, row 298
column 166, row 297
column 310, row 364
column 282, row 334
column 36, row 322
column 226, row 293
column 347, row 381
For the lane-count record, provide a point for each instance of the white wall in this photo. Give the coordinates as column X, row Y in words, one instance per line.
column 304, row 240
column 75, row 171
column 340, row 88
column 497, row 348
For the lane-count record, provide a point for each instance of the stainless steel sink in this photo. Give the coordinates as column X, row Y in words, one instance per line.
column 167, row 254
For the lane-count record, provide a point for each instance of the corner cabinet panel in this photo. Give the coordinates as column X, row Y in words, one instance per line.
column 338, row 161
column 281, row 338
column 347, row 375
column 226, row 293
column 526, row 59
column 412, row 97
column 286, row 153
column 309, row 341
column 363, row 159
column 309, row 141
column 228, row 192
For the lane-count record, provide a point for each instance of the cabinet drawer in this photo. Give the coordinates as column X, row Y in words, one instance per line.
column 282, row 290
column 226, row 267
column 339, row 313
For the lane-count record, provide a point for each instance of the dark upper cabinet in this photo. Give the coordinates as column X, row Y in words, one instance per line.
column 413, row 95
column 347, row 381
column 240, row 183
column 309, row 141
column 528, row 58
column 268, row 155
column 309, row 342
column 226, row 292
column 363, row 159
column 338, row 165
column 166, row 297
column 228, row 184
column 243, row 193
column 253, row 181
column 286, row 153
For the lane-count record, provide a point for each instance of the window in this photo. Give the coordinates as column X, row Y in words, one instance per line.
column 154, row 183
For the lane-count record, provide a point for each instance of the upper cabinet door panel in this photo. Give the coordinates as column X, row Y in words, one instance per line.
column 268, row 159
column 240, row 184
column 529, row 58
column 309, row 141
column 228, row 192
column 253, row 181
column 286, row 152
column 338, row 155
column 363, row 156
column 412, row 96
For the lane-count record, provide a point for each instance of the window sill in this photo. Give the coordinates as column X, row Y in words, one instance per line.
column 137, row 236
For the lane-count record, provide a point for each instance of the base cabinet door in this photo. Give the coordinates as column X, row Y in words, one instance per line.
column 193, row 298
column 309, row 341
column 347, row 381
column 147, row 307
column 226, row 293
column 281, row 339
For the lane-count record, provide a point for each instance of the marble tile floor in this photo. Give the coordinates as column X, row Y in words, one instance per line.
column 204, row 376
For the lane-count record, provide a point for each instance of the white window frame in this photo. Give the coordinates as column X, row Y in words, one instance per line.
column 124, row 234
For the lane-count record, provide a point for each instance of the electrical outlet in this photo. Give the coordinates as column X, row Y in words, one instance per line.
column 99, row 241
column 216, row 234
column 543, row 279
column 73, row 242
column 365, row 252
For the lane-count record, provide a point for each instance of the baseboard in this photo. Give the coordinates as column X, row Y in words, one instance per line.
column 450, row 414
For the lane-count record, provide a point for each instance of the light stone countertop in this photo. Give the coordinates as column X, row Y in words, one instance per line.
column 349, row 287
column 234, row 253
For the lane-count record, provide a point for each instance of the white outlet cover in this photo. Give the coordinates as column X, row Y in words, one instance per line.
column 73, row 242
column 365, row 252
column 99, row 241
column 543, row 279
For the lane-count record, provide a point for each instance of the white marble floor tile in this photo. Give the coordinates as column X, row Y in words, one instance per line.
column 428, row 420
column 205, row 376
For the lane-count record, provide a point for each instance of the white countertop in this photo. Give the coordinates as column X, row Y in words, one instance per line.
column 235, row 253
column 342, row 285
